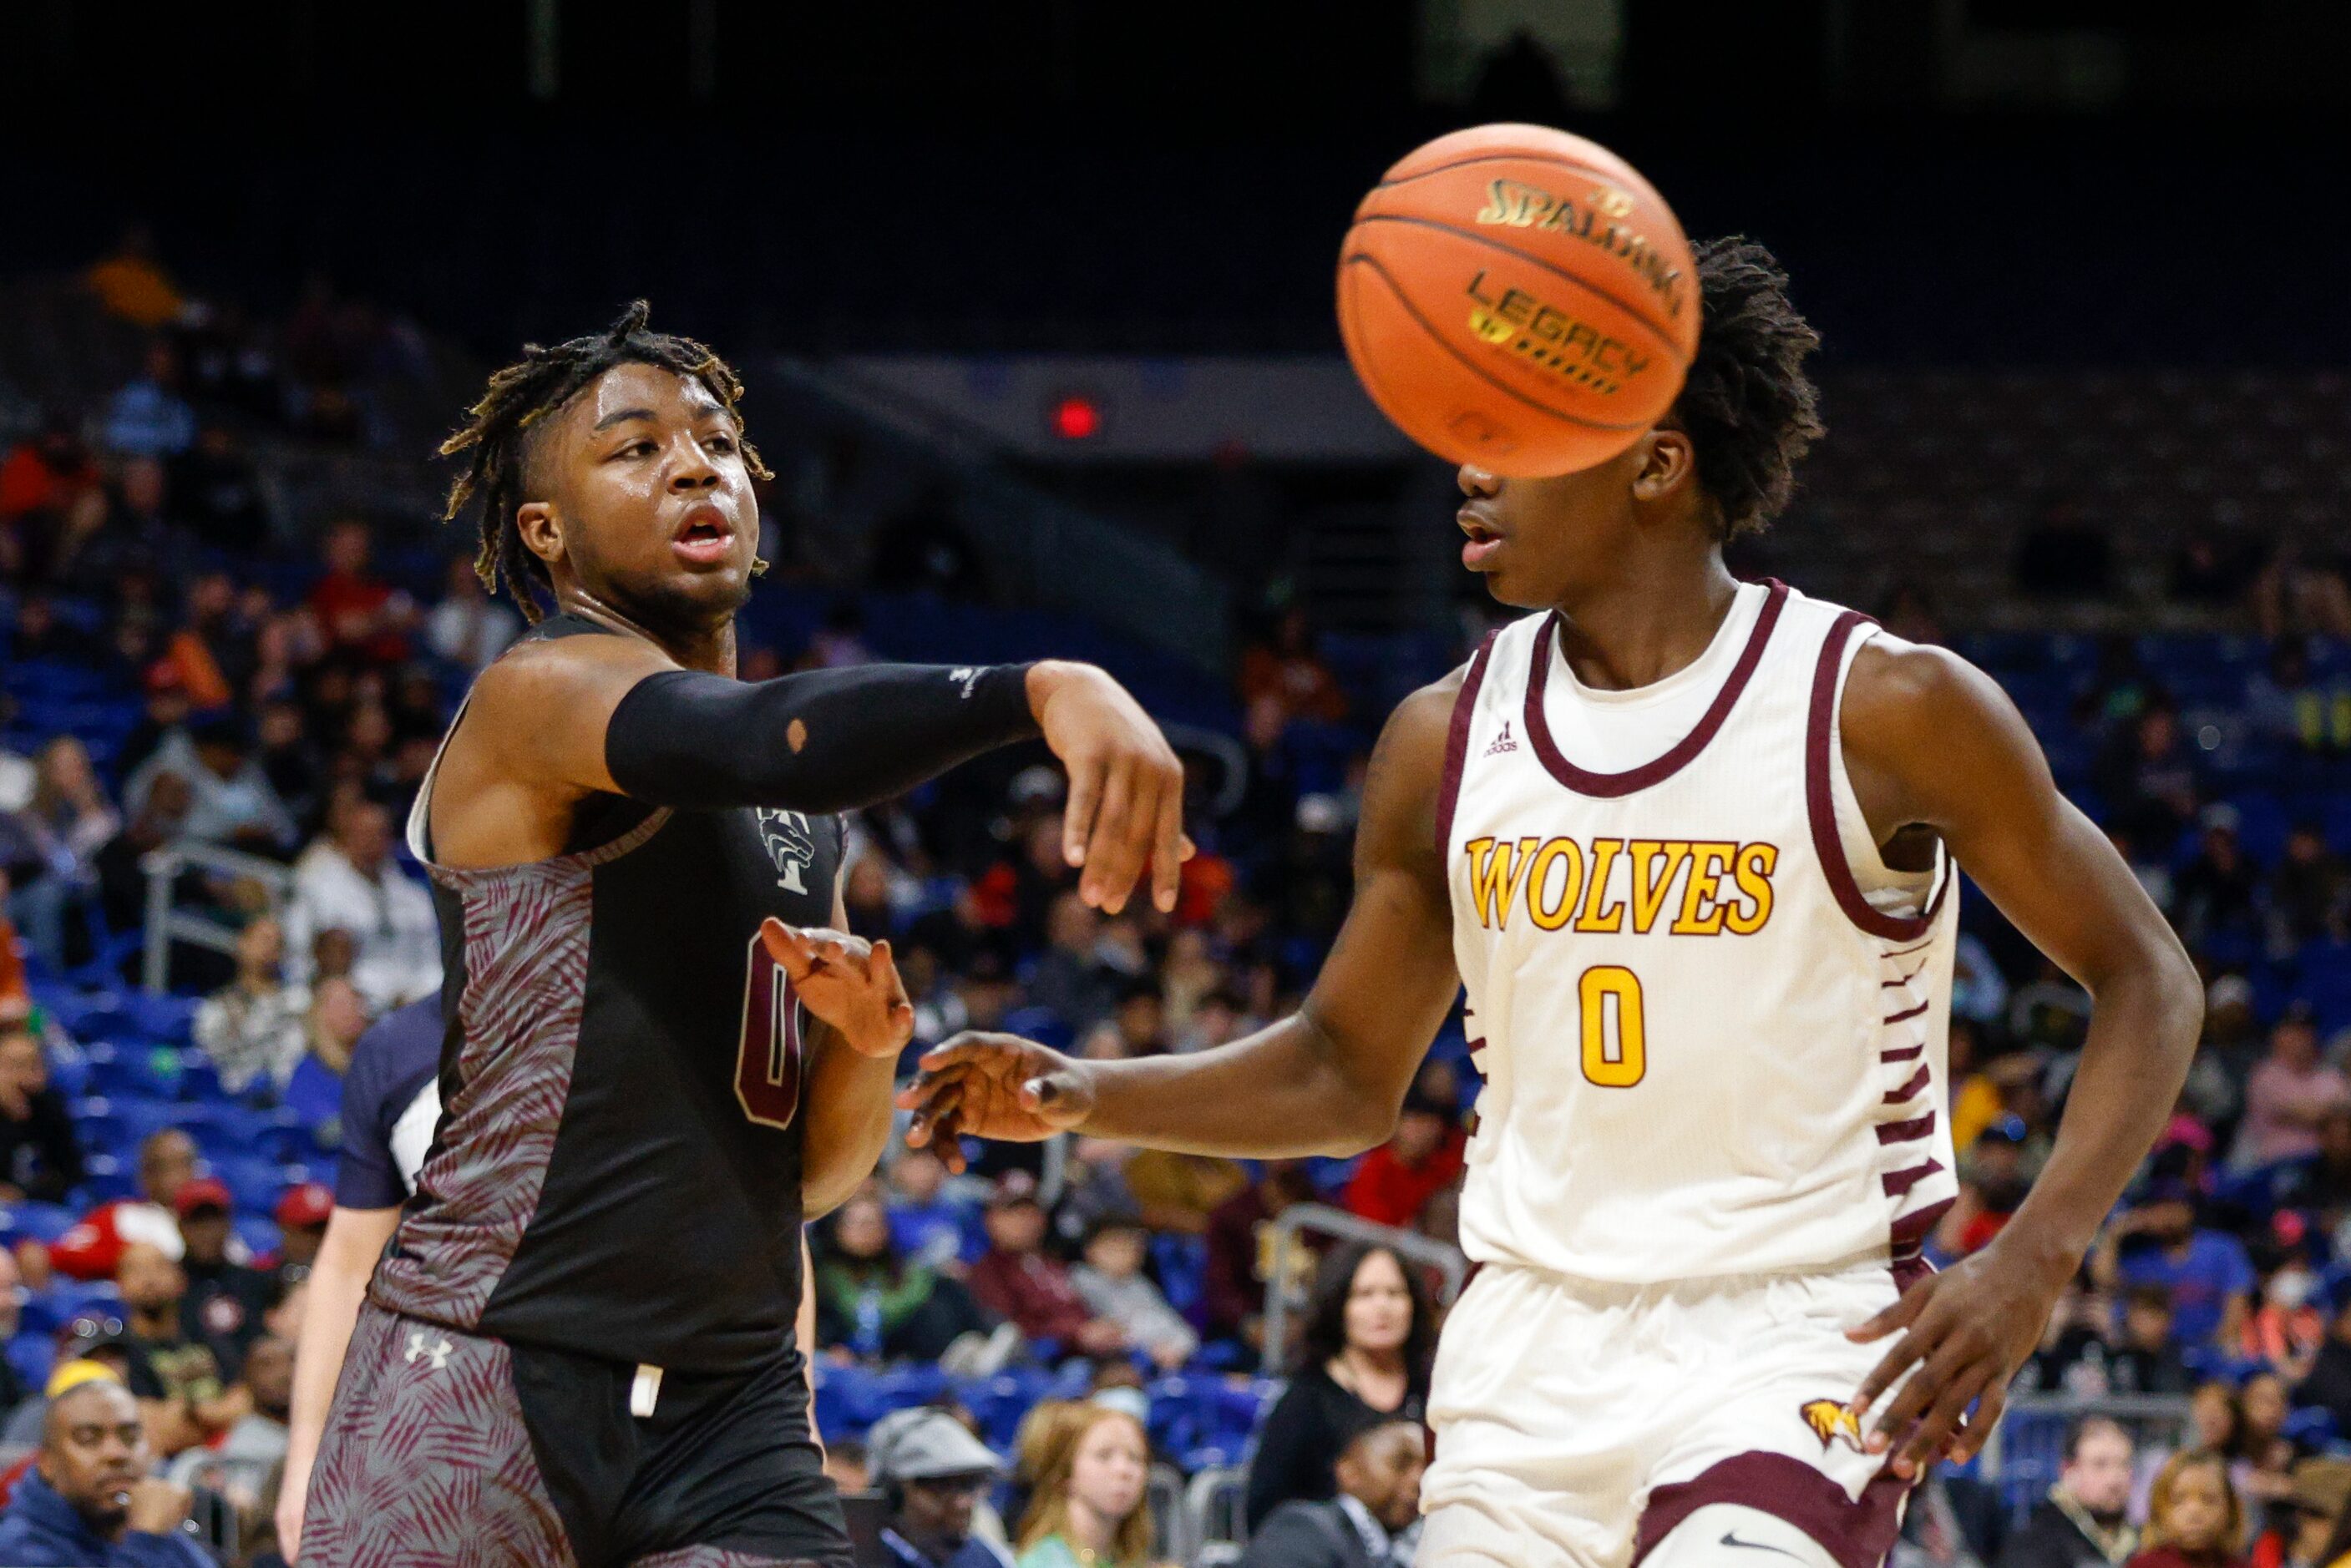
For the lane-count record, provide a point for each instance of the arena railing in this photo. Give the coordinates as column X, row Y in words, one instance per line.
column 167, row 924
column 1321, row 1220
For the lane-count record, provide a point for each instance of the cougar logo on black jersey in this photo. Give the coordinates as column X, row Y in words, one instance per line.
column 790, row 844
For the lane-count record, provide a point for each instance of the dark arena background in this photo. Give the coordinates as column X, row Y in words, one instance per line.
column 1033, row 302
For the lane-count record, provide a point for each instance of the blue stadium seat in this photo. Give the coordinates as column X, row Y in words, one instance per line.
column 107, row 1177
column 32, row 1220
column 32, row 1356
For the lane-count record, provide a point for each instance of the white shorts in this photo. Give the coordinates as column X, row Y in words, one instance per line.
column 1578, row 1423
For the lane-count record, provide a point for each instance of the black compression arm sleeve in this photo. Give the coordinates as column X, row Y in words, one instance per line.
column 821, row 741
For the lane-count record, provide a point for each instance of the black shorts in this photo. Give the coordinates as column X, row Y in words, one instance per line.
column 446, row 1449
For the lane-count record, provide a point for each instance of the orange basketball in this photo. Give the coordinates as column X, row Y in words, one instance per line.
column 1519, row 298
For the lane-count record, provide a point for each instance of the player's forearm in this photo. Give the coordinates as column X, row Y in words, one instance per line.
column 1285, row 1091
column 338, row 1284
column 818, row 740
column 2143, row 1030
column 847, row 1121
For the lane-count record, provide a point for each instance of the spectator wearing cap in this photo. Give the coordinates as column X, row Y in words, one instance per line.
column 40, row 1153
column 226, row 1297
column 2302, row 1532
column 2217, row 893
column 1370, row 1520
column 1017, row 1281
column 303, row 1211
column 2288, row 1095
column 2207, row 1272
column 933, row 1473
column 92, row 1249
column 231, row 800
column 2082, row 1520
column 1395, row 1181
column 1113, row 1286
column 239, row 1466
column 252, row 1029
column 89, row 1500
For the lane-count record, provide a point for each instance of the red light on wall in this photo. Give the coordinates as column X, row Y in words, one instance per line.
column 1076, row 418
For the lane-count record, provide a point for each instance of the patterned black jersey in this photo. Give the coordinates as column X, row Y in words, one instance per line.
column 617, row 1167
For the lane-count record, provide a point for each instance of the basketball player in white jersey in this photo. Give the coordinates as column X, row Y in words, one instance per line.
column 1690, row 844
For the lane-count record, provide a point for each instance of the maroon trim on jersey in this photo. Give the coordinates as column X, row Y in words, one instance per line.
column 1919, row 1080
column 1820, row 802
column 1609, row 786
column 1903, row 1132
column 1906, row 953
column 1457, row 749
column 1907, row 1013
column 1908, row 1270
column 1911, row 1231
column 1903, row 1052
column 1898, row 984
column 1857, row 1532
column 1897, row 1182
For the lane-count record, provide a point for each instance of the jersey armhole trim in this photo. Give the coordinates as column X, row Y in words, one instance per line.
column 1820, row 800
column 1457, row 747
column 1612, row 786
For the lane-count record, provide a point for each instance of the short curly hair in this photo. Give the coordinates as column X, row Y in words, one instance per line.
column 494, row 439
column 1751, row 410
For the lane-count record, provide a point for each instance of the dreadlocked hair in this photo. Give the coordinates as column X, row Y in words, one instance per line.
column 1751, row 410
column 535, row 386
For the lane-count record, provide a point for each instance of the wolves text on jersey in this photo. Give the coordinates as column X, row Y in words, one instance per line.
column 1723, row 886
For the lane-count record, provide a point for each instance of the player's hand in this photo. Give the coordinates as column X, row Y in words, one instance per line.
column 848, row 982
column 993, row 1085
column 157, row 1507
column 1967, row 1331
column 1126, row 789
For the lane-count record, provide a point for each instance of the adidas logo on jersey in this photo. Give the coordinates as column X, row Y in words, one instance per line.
column 1503, row 742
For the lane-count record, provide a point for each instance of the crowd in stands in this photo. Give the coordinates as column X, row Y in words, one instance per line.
column 173, row 676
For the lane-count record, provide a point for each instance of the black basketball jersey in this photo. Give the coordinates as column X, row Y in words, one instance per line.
column 617, row 1168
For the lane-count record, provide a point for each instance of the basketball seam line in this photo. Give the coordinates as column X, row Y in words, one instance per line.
column 1496, row 155
column 1443, row 342
column 1671, row 352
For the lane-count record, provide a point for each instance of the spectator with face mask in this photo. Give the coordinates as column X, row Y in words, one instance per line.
column 88, row 1501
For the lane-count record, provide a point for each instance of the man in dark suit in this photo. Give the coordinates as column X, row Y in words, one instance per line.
column 1373, row 1522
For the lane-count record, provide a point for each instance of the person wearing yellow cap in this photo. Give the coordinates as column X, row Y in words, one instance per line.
column 91, row 1500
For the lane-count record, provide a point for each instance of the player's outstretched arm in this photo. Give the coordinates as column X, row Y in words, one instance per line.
column 554, row 721
column 1930, row 740
column 1327, row 1080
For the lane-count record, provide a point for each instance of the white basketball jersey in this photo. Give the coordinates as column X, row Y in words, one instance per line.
column 1711, row 1021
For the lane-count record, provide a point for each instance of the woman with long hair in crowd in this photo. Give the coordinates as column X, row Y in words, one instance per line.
column 1363, row 1356
column 2195, row 1518
column 64, row 825
column 1091, row 1464
column 872, row 1303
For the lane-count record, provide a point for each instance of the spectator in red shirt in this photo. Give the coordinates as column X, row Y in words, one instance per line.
column 357, row 611
column 47, row 474
column 1396, row 1181
column 1016, row 1280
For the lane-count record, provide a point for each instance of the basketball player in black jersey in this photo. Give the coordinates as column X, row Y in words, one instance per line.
column 577, row 1348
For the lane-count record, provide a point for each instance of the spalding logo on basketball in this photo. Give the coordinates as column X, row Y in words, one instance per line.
column 1519, row 298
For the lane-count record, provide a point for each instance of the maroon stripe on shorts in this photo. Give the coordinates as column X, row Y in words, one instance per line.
column 1909, row 1012
column 1857, row 1532
column 1911, row 1231
column 1903, row 1052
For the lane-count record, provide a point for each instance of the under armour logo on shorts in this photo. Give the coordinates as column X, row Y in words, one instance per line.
column 417, row 1347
